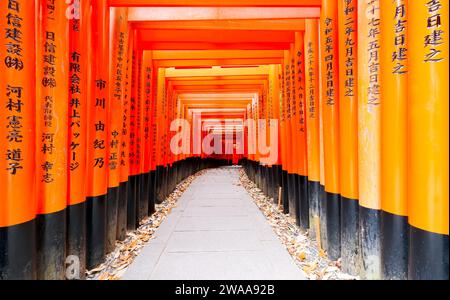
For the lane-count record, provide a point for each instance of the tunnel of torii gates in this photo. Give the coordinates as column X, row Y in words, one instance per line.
column 357, row 92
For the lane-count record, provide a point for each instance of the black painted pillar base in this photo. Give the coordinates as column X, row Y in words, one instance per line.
column 159, row 184
column 131, row 203
column 333, row 225
column 271, row 182
column 95, row 231
column 18, row 252
column 350, row 248
column 296, row 198
column 394, row 246
column 143, row 197
column 76, row 240
column 151, row 193
column 112, row 204
column 285, row 197
column 323, row 216
column 369, row 230
column 138, row 193
column 122, row 212
column 313, row 199
column 293, row 209
column 304, row 202
column 428, row 256
column 51, row 246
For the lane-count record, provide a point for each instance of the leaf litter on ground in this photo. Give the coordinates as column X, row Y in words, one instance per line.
column 311, row 260
column 118, row 261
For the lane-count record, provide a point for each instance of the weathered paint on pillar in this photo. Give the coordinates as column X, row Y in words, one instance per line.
column 312, row 94
column 369, row 135
column 428, row 138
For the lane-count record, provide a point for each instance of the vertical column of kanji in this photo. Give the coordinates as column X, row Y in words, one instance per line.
column 348, row 125
column 17, row 145
column 117, row 55
column 301, row 130
column 284, row 149
column 97, row 153
column 428, row 139
column 125, row 140
column 369, row 135
column 147, row 75
column 394, row 79
column 51, row 137
column 311, row 49
column 330, row 94
column 131, row 203
column 76, row 210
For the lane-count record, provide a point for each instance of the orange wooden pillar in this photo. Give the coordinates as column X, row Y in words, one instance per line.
column 160, row 110
column 286, row 134
column 17, row 144
column 302, row 164
column 289, row 82
column 330, row 93
column 142, row 207
column 134, row 199
column 312, row 93
column 348, row 125
column 369, row 102
column 322, row 195
column 275, row 121
column 97, row 152
column 393, row 170
column 428, row 138
column 117, row 56
column 147, row 94
column 294, row 135
column 124, row 158
column 52, row 139
column 79, row 35
column 154, row 140
column 131, row 94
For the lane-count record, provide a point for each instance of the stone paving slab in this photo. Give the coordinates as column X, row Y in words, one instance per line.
column 216, row 232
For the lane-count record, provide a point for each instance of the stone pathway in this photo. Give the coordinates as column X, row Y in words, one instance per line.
column 216, row 232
